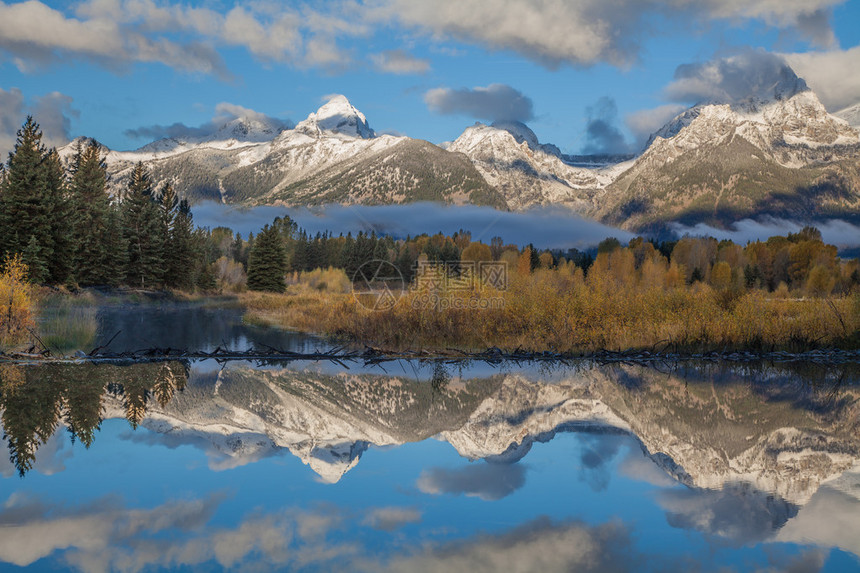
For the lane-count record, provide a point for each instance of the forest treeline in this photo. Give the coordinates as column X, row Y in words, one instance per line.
column 799, row 263
column 68, row 230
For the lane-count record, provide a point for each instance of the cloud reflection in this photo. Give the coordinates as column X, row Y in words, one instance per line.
column 738, row 513
column 486, row 481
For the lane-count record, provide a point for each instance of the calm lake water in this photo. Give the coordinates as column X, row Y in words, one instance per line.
column 310, row 466
column 191, row 327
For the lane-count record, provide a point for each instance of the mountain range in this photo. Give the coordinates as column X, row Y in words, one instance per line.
column 706, row 429
column 778, row 152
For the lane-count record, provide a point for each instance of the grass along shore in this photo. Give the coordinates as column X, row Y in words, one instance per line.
column 558, row 310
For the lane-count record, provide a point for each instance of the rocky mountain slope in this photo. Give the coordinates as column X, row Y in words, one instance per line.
column 333, row 156
column 777, row 152
column 525, row 172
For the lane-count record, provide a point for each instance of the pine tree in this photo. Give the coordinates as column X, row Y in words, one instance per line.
column 25, row 209
column 94, row 260
column 37, row 269
column 204, row 253
column 143, row 231
column 267, row 262
column 115, row 249
column 299, row 260
column 180, row 252
column 62, row 248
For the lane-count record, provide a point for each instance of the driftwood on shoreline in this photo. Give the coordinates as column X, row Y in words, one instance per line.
column 372, row 355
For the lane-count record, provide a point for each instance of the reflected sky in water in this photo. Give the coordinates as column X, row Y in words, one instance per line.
column 191, row 327
column 314, row 467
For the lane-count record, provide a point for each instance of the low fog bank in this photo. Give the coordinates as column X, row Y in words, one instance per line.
column 545, row 227
column 844, row 235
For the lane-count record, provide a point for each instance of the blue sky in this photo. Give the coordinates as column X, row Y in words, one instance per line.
column 592, row 75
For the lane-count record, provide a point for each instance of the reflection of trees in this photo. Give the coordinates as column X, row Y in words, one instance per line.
column 35, row 399
column 440, row 378
column 31, row 411
column 84, row 404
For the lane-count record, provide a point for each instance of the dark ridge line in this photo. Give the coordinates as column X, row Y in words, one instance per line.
column 493, row 355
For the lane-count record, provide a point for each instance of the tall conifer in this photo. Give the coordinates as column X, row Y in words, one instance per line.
column 267, row 261
column 143, row 231
column 24, row 202
column 90, row 208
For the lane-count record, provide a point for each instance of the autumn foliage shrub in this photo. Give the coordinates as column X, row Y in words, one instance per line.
column 16, row 303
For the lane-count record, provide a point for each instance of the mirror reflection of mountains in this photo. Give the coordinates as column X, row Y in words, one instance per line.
column 776, row 430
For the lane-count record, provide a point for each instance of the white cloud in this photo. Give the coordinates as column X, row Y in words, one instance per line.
column 645, row 122
column 103, row 535
column 496, row 102
column 586, row 32
column 602, row 135
column 540, row 545
column 186, row 37
column 118, row 32
column 11, row 117
column 832, row 75
column 731, row 79
column 399, row 62
column 391, row 518
column 486, row 481
column 224, row 113
column 52, row 111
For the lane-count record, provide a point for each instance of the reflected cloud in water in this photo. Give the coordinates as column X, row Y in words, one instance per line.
column 749, row 463
column 486, row 481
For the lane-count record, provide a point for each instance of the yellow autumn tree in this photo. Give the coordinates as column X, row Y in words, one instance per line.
column 16, row 302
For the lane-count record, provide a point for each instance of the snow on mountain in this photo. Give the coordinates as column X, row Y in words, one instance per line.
column 851, row 115
column 236, row 133
column 719, row 162
column 525, row 172
column 336, row 117
column 789, row 113
column 708, row 157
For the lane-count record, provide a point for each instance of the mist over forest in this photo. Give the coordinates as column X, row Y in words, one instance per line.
column 545, row 227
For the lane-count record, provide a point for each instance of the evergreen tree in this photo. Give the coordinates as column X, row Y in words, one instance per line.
column 239, row 251
column 59, row 264
column 181, row 249
column 37, row 269
column 30, row 414
column 267, row 261
column 299, row 261
column 204, row 253
column 349, row 256
column 115, row 249
column 25, row 209
column 143, row 230
column 90, row 217
column 405, row 263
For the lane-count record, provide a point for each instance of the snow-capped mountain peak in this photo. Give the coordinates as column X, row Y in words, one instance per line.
column 786, row 112
column 850, row 114
column 246, row 129
column 336, row 117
